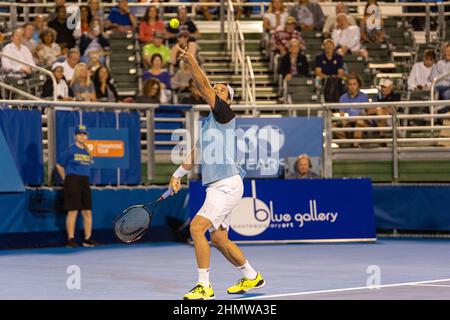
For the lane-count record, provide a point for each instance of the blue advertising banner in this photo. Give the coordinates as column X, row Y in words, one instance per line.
column 114, row 139
column 310, row 210
column 22, row 130
column 270, row 141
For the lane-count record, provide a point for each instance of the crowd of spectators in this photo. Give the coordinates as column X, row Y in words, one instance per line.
column 75, row 50
column 69, row 47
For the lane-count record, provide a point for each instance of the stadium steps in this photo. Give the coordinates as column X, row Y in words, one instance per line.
column 216, row 62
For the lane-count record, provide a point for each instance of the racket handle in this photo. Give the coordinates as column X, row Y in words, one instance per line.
column 166, row 194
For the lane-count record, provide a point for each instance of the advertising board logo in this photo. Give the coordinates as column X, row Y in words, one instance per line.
column 106, row 148
column 252, row 216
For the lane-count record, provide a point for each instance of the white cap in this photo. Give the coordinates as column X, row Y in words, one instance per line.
column 386, row 82
column 230, row 92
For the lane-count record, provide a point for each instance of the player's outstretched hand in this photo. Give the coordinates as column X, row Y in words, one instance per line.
column 175, row 184
column 185, row 54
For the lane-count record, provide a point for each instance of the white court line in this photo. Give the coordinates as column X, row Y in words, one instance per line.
column 344, row 289
column 433, row 285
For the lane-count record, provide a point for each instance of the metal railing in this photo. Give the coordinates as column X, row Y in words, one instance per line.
column 51, row 106
column 242, row 62
column 394, row 137
column 45, row 71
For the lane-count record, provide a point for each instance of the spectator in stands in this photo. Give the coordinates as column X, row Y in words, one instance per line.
column 275, row 17
column 48, row 50
column 353, row 95
column 74, row 167
column 210, row 11
column 440, row 68
column 17, row 50
column 81, row 84
column 309, row 15
column 330, row 23
column 121, row 19
column 372, row 26
column 63, row 91
column 64, row 35
column 94, row 63
column 419, row 77
column 302, row 169
column 93, row 42
column 157, row 72
column 195, row 97
column 180, row 81
column 53, row 14
column 149, row 24
column 185, row 24
column 28, row 41
column 156, row 47
column 69, row 64
column 105, row 90
column 39, row 26
column 96, row 10
column 85, row 19
column 151, row 92
column 329, row 63
column 387, row 92
column 294, row 63
column 347, row 37
column 280, row 39
column 184, row 40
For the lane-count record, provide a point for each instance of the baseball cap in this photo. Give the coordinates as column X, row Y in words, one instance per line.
column 183, row 33
column 386, row 82
column 57, row 65
column 80, row 129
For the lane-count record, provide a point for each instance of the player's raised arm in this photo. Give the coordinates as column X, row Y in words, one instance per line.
column 200, row 79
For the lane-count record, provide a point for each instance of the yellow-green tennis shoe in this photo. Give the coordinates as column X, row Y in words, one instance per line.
column 200, row 292
column 245, row 285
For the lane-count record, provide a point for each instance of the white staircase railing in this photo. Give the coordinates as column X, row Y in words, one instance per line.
column 242, row 63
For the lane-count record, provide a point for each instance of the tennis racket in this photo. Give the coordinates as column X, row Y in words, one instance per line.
column 134, row 221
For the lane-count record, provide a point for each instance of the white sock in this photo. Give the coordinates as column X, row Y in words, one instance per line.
column 203, row 276
column 248, row 271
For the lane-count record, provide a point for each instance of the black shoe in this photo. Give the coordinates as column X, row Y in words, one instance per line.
column 71, row 243
column 89, row 243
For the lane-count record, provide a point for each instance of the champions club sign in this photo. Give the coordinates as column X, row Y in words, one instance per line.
column 313, row 210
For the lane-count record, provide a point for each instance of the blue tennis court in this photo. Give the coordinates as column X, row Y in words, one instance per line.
column 408, row 269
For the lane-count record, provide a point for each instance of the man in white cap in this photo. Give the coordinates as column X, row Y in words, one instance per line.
column 223, row 178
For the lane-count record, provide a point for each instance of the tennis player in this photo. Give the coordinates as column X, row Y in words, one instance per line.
column 224, row 187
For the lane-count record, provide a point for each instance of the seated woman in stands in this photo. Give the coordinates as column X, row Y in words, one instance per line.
column 81, row 84
column 371, row 25
column 157, row 72
column 105, row 89
column 47, row 51
column 63, row 91
column 151, row 93
column 275, row 17
column 149, row 24
column 294, row 63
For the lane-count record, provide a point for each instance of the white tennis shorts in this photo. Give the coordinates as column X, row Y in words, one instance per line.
column 221, row 198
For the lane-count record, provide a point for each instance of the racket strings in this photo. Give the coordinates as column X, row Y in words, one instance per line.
column 132, row 224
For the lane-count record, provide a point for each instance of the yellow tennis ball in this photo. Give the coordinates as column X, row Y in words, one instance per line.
column 174, row 23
